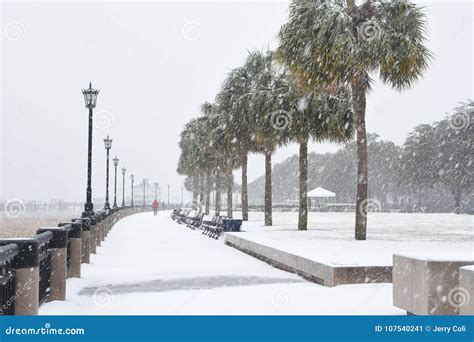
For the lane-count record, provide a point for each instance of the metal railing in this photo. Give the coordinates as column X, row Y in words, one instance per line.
column 29, row 261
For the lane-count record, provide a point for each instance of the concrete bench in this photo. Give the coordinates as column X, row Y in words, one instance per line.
column 430, row 286
column 321, row 273
column 466, row 294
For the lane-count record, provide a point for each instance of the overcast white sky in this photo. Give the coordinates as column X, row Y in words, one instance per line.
column 155, row 63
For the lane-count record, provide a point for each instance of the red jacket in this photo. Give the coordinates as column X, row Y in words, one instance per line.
column 155, row 204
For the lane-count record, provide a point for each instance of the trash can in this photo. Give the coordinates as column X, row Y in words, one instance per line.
column 231, row 225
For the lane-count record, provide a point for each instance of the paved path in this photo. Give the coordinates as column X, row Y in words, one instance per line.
column 152, row 265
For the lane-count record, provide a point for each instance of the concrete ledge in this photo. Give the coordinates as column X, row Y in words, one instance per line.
column 465, row 298
column 321, row 273
column 427, row 286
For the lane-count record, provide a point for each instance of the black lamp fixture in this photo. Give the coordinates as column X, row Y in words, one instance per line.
column 108, row 146
column 124, row 170
column 90, row 100
column 132, row 177
column 116, row 161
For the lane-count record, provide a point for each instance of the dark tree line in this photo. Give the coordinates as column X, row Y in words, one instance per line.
column 431, row 172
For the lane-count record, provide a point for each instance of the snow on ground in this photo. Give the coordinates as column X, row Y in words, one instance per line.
column 152, row 265
column 330, row 238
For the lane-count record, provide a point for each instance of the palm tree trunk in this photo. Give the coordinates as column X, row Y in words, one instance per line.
column 195, row 191
column 230, row 184
column 303, row 213
column 208, row 191
column 245, row 198
column 457, row 201
column 358, row 87
column 268, row 188
column 201, row 191
column 218, row 192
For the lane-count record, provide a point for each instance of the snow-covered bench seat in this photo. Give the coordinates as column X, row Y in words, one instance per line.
column 431, row 285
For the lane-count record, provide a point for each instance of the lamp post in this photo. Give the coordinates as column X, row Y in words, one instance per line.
column 90, row 100
column 144, row 188
column 123, row 186
column 116, row 161
column 132, row 177
column 108, row 145
column 156, row 191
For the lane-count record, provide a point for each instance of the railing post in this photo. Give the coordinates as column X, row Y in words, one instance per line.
column 27, row 268
column 97, row 226
column 103, row 226
column 106, row 224
column 85, row 237
column 7, row 280
column 76, row 250
column 93, row 236
column 58, row 245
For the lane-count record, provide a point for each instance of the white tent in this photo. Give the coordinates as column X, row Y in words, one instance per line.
column 320, row 192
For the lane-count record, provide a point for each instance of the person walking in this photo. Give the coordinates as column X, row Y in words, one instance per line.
column 155, row 205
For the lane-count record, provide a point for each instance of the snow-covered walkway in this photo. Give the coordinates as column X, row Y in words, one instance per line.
column 151, row 265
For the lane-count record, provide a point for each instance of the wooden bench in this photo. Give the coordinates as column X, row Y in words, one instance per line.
column 223, row 224
column 213, row 228
column 183, row 216
column 177, row 214
column 194, row 222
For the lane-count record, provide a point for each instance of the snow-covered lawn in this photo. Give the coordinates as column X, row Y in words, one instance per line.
column 330, row 236
column 152, row 265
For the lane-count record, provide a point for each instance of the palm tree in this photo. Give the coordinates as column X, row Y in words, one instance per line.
column 188, row 160
column 233, row 101
column 320, row 118
column 197, row 158
column 226, row 152
column 206, row 111
column 267, row 94
column 337, row 42
column 220, row 153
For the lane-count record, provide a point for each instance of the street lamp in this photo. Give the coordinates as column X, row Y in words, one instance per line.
column 108, row 146
column 156, row 190
column 123, row 186
column 144, row 187
column 90, row 100
column 132, row 177
column 116, row 161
